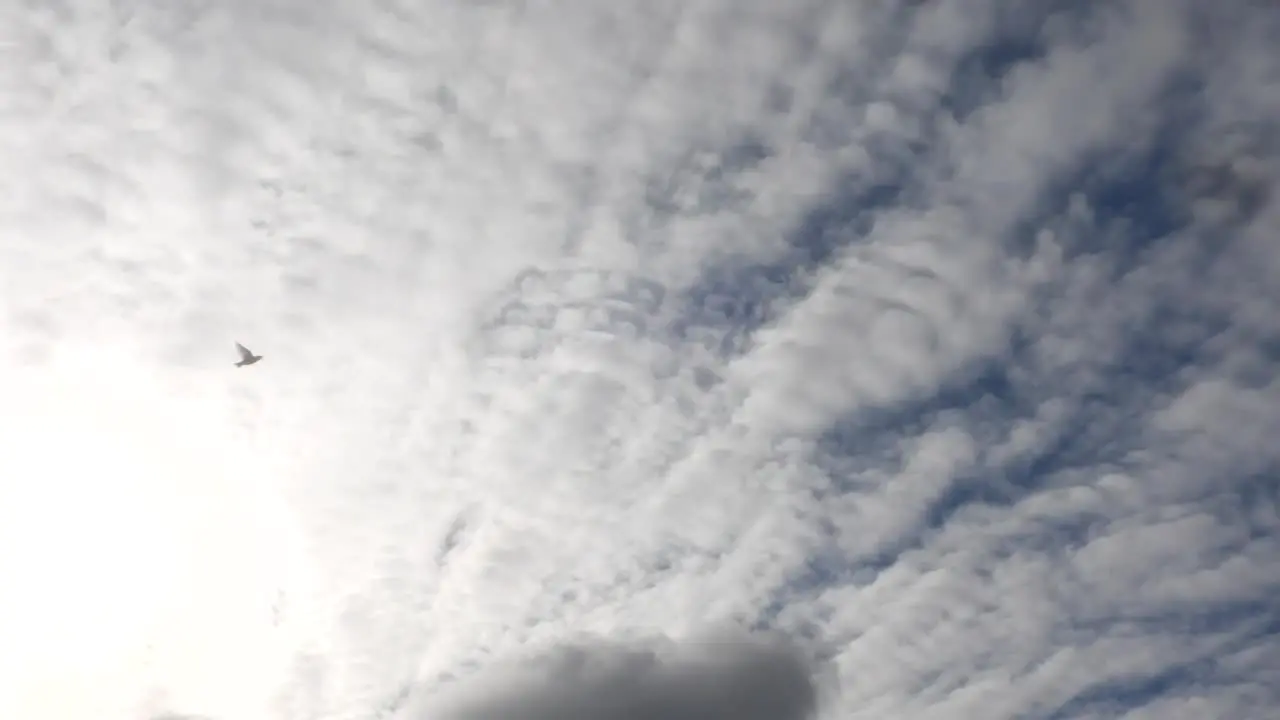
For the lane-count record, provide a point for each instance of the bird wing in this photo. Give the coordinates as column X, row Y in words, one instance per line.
column 244, row 352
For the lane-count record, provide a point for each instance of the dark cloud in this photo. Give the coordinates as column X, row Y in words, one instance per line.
column 733, row 678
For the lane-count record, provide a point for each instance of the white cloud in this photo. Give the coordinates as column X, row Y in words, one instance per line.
column 942, row 341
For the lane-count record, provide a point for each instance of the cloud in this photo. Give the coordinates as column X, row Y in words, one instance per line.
column 724, row 678
column 941, row 341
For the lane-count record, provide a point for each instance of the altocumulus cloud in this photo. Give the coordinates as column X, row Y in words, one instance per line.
column 940, row 339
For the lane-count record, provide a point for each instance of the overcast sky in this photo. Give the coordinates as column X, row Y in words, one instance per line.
column 639, row 359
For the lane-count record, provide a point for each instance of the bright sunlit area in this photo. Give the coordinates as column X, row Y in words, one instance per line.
column 144, row 546
column 714, row 360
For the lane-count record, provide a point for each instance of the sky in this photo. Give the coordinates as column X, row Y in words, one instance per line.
column 714, row 359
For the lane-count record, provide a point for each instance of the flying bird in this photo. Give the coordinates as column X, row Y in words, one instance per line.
column 246, row 357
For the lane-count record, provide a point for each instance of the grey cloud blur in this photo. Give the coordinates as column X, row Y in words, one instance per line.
column 731, row 678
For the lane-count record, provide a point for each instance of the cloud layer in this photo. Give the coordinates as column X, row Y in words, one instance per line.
column 941, row 340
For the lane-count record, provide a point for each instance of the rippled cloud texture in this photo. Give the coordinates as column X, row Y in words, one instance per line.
column 715, row 359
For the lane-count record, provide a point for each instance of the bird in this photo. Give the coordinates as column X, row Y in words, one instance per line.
column 246, row 357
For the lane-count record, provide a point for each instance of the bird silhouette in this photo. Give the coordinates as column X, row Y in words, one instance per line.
column 246, row 357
